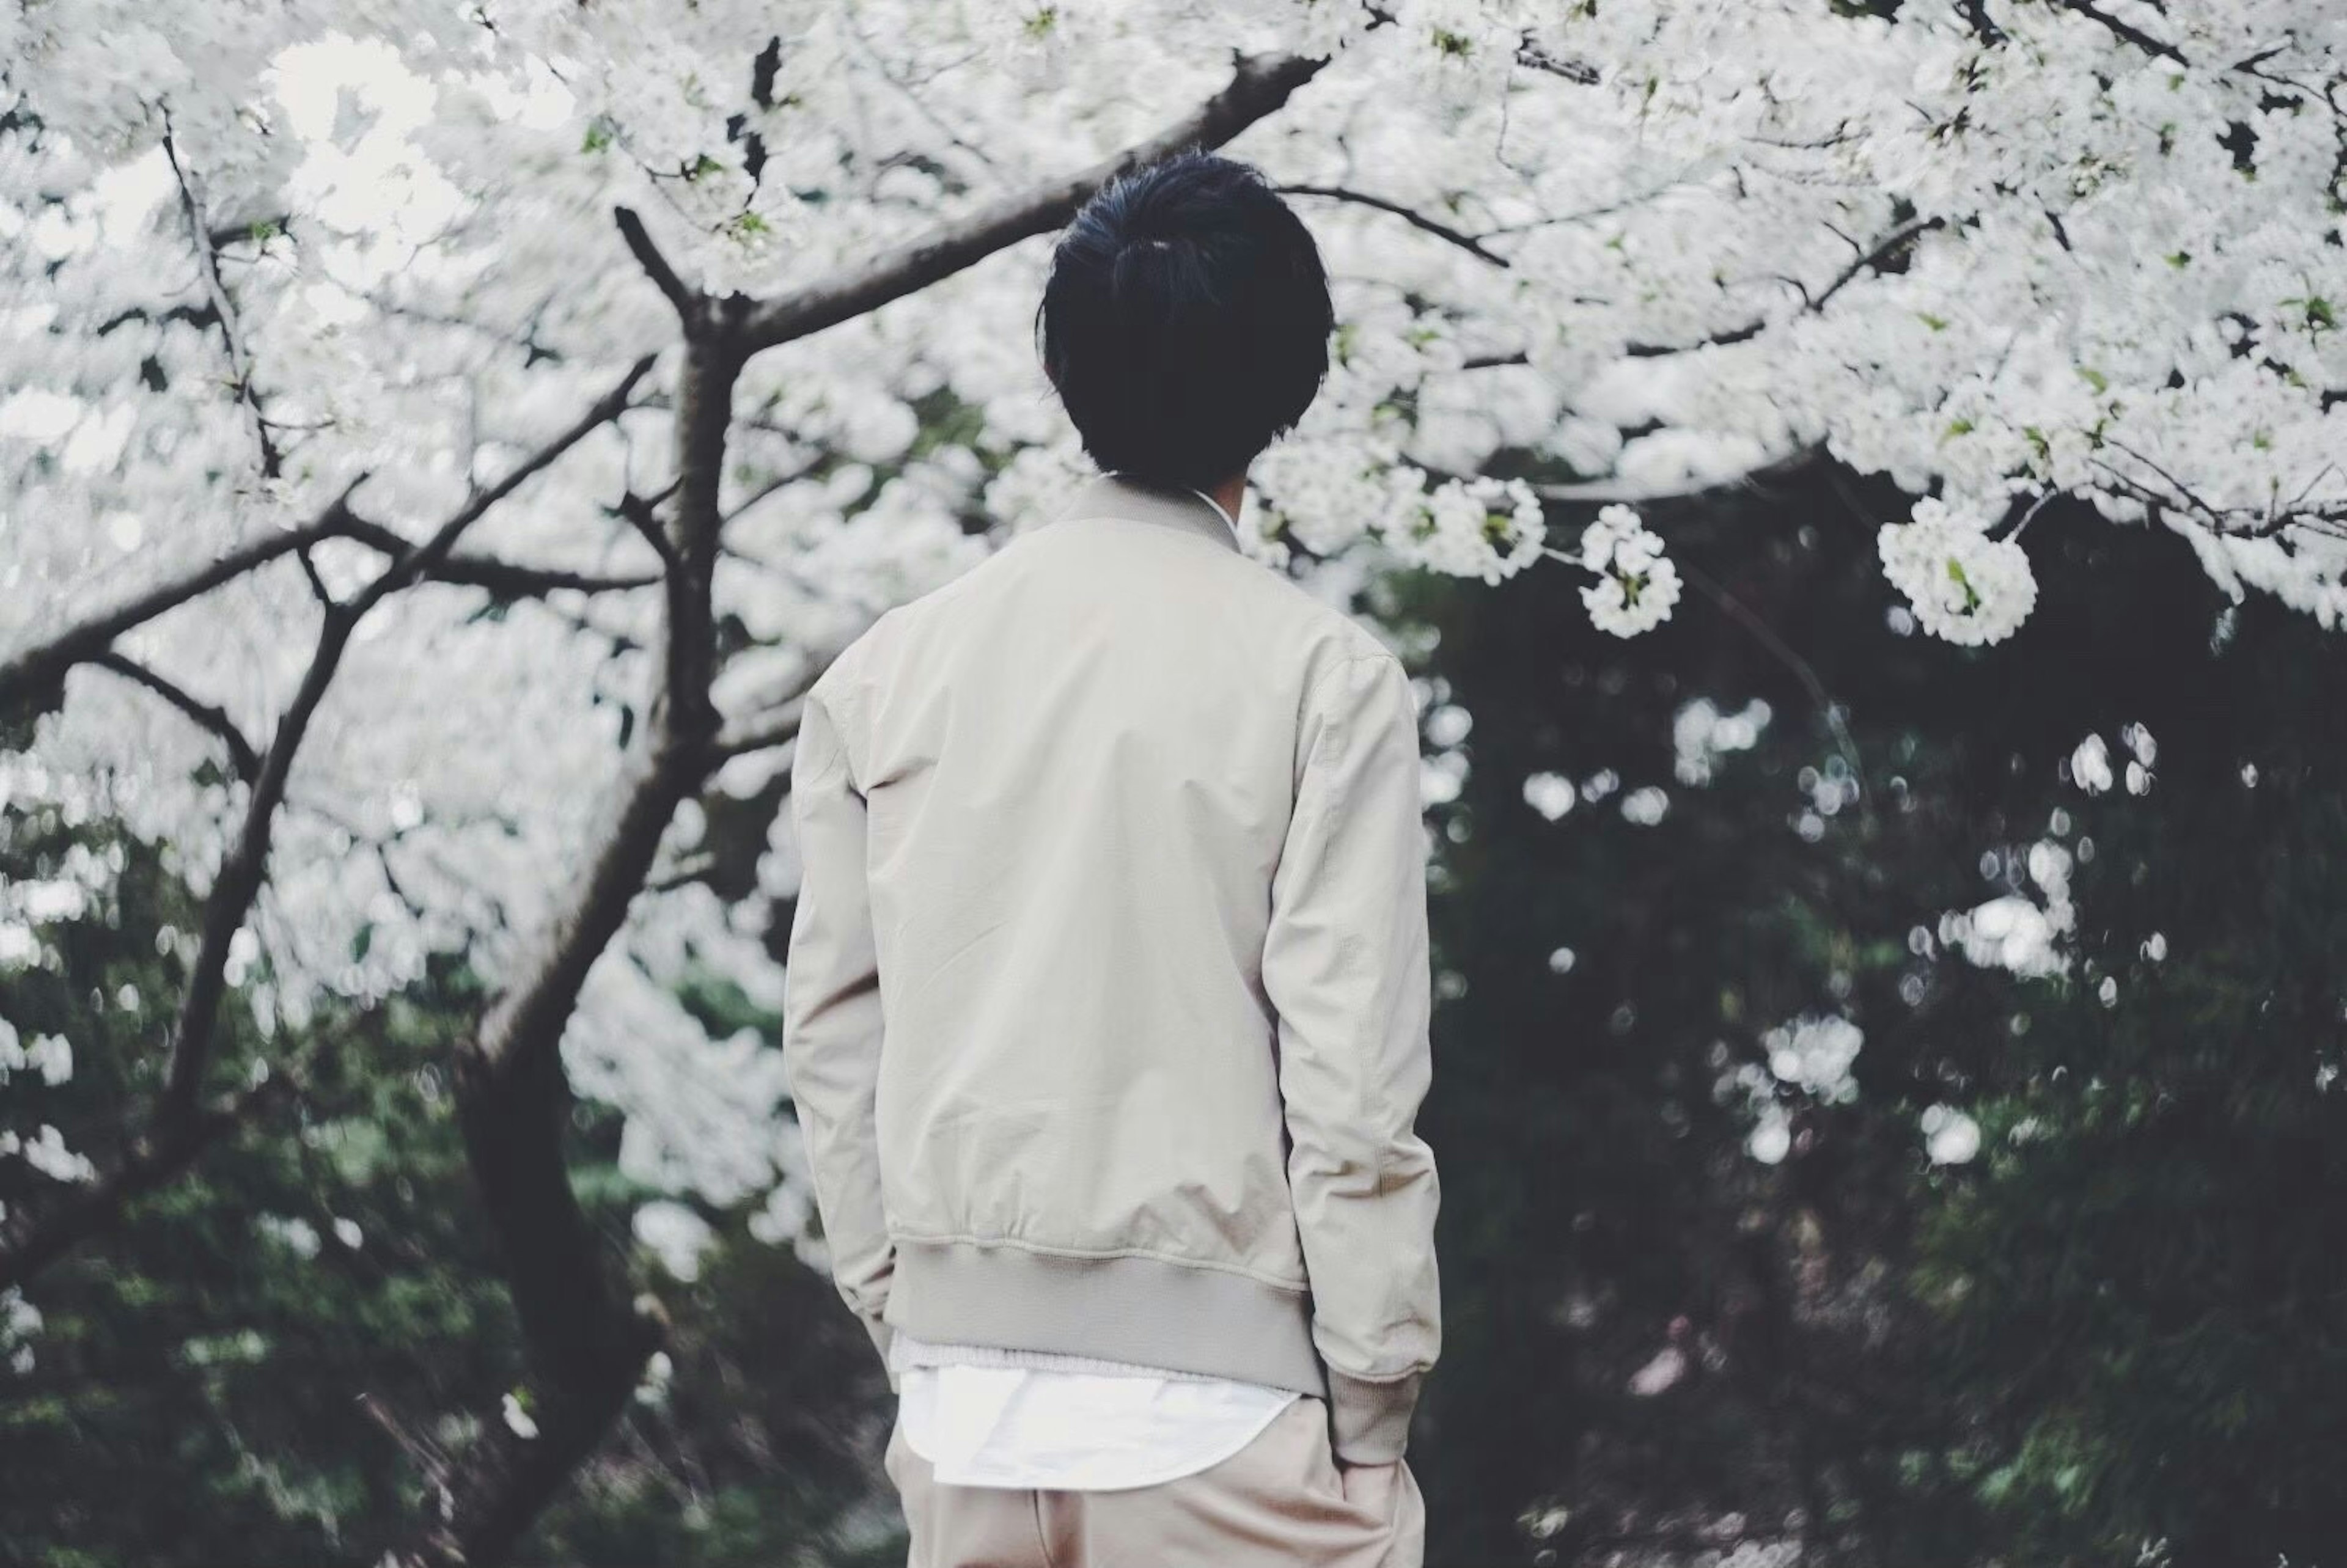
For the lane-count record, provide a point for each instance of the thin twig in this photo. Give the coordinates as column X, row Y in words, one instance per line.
column 778, row 484
column 240, row 361
column 242, row 758
column 1803, row 671
column 428, row 556
column 1411, row 216
column 1872, row 257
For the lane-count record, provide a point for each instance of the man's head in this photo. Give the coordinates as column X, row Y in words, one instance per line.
column 1186, row 322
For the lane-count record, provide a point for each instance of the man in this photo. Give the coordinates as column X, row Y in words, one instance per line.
column 1107, row 991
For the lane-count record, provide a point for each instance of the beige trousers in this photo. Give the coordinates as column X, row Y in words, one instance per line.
column 1279, row 1502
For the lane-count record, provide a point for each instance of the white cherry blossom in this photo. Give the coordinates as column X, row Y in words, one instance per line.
column 1636, row 584
column 1964, row 585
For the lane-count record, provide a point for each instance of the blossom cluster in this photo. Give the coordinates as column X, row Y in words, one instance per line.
column 1481, row 528
column 1965, row 585
column 1636, row 584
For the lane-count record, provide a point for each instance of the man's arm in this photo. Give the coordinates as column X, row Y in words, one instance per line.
column 1344, row 965
column 831, row 1017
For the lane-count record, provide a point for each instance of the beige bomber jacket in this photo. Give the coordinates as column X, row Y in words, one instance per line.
column 1107, row 993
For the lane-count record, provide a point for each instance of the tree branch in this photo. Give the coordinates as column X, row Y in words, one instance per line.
column 177, row 1130
column 1528, row 53
column 1894, row 240
column 1873, row 257
column 259, row 232
column 648, row 256
column 777, row 484
column 240, row 361
column 78, row 644
column 1976, row 17
column 502, row 578
column 427, row 557
column 587, row 1342
column 1465, row 241
column 2233, row 522
column 1259, row 85
column 318, row 589
column 2127, row 31
column 641, row 513
column 242, row 756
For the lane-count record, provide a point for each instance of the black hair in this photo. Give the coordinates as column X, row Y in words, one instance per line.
column 1186, row 322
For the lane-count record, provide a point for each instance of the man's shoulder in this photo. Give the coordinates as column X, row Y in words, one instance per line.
column 1316, row 627
column 1330, row 636
column 869, row 649
column 835, row 684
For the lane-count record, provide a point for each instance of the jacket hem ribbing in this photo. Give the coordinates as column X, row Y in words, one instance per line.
column 1139, row 1309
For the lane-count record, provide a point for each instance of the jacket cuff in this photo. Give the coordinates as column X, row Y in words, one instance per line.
column 882, row 1334
column 1369, row 1422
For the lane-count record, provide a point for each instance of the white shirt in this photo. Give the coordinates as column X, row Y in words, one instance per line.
column 1218, row 507
column 986, row 1417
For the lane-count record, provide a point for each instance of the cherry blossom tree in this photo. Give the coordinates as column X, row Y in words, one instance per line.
column 441, row 442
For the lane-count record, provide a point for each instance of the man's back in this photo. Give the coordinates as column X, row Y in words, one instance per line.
column 1079, row 769
column 1141, row 902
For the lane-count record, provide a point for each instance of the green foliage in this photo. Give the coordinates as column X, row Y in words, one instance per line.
column 2141, row 1282
column 220, row 1378
column 2117, row 1331
column 210, row 1357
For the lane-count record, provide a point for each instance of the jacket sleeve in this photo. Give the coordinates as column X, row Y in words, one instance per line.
column 1346, row 969
column 831, row 1016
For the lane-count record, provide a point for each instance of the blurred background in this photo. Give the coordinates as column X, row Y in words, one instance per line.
column 1889, row 1020
column 1794, row 1211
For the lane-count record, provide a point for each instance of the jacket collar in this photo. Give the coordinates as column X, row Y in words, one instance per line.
column 1114, row 496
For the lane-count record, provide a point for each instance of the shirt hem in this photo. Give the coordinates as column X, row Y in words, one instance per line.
column 1188, row 1466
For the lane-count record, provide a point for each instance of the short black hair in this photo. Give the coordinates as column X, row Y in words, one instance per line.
column 1186, row 322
